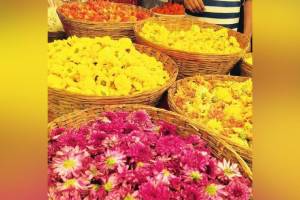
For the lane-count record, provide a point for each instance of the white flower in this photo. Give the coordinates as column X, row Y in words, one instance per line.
column 229, row 170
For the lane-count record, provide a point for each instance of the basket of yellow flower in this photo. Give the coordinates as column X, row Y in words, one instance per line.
column 163, row 121
column 101, row 18
column 85, row 72
column 247, row 65
column 196, row 46
column 220, row 104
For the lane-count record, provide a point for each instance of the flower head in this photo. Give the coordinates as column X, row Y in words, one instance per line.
column 68, row 161
column 170, row 144
column 195, row 175
column 114, row 159
column 140, row 152
column 237, row 190
column 214, row 192
column 141, row 118
column 164, row 176
column 229, row 170
column 154, row 192
column 73, row 183
column 72, row 138
column 110, row 141
column 110, row 183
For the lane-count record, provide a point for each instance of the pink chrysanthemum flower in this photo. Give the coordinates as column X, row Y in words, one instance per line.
column 154, row 192
column 114, row 159
column 140, row 152
column 194, row 159
column 228, row 169
column 191, row 192
column 214, row 192
column 73, row 183
column 72, row 138
column 110, row 141
column 92, row 172
column 238, row 190
column 194, row 175
column 68, row 161
column 169, row 145
column 110, row 183
column 164, row 177
column 96, row 192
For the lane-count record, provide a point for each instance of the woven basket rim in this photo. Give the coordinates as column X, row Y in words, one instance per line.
column 172, row 90
column 141, row 23
column 145, row 93
column 242, row 163
column 102, row 23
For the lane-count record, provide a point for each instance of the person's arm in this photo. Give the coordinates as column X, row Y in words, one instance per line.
column 248, row 17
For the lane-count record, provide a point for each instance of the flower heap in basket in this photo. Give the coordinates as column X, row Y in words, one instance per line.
column 170, row 9
column 128, row 156
column 102, row 67
column 225, row 107
column 196, row 39
column 102, row 11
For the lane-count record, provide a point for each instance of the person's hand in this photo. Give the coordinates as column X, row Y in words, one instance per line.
column 194, row 5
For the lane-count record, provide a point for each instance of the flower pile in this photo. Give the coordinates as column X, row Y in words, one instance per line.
column 128, row 156
column 196, row 39
column 102, row 67
column 103, row 11
column 225, row 107
column 170, row 9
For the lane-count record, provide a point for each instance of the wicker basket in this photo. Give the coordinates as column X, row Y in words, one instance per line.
column 246, row 69
column 246, row 153
column 62, row 102
column 82, row 28
column 190, row 63
column 218, row 147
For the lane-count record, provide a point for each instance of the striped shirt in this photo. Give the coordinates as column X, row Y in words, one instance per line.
column 221, row 12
